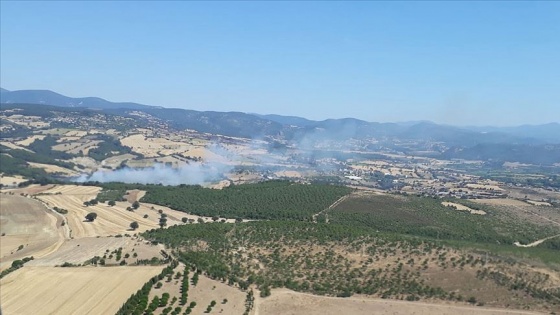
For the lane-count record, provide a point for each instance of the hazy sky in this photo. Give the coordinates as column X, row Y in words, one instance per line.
column 462, row 63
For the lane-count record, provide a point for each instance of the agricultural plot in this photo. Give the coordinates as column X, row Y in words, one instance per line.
column 113, row 250
column 111, row 220
column 27, row 228
column 78, row 290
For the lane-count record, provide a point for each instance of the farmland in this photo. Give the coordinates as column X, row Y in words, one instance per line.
column 28, row 229
column 77, row 290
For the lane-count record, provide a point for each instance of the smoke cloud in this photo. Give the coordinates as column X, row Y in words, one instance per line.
column 190, row 174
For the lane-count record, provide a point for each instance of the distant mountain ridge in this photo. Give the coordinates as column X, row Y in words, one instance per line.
column 298, row 128
column 48, row 97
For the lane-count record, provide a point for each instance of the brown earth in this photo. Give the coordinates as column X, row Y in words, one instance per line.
column 283, row 301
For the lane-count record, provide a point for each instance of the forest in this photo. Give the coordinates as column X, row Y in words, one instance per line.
column 271, row 200
column 427, row 217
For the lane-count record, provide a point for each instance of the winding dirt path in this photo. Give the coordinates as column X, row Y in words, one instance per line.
column 535, row 243
column 336, row 203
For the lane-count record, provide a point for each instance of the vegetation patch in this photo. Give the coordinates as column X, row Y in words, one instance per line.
column 271, row 200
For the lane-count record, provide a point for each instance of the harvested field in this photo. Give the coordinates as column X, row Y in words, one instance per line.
column 86, row 191
column 76, row 147
column 53, row 169
column 76, row 133
column 11, row 180
column 288, row 302
column 110, row 220
column 150, row 147
column 26, row 222
column 205, row 154
column 77, row 251
column 292, row 174
column 484, row 187
column 539, row 203
column 116, row 160
column 14, row 146
column 83, row 290
column 175, row 216
column 30, row 190
column 501, row 202
column 460, row 207
column 26, row 142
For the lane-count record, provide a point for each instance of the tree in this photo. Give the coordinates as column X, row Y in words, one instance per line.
column 91, row 216
column 134, row 225
column 162, row 222
column 135, row 205
column 184, row 220
column 111, row 203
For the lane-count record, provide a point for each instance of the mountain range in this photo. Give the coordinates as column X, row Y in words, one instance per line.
column 295, row 128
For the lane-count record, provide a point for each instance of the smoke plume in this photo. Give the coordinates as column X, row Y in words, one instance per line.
column 190, row 174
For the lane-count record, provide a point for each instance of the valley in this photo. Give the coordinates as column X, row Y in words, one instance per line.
column 185, row 221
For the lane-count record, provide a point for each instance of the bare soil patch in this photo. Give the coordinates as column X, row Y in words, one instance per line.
column 288, row 302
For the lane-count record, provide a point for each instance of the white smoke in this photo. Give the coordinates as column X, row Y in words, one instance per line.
column 190, row 174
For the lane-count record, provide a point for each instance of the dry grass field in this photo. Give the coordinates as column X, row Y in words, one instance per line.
column 150, row 147
column 539, row 214
column 76, row 147
column 110, row 220
column 26, row 142
column 11, row 180
column 78, row 251
column 85, row 290
column 49, row 168
column 288, row 302
column 26, row 222
column 14, row 146
column 460, row 207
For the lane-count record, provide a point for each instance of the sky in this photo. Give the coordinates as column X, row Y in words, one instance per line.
column 459, row 63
